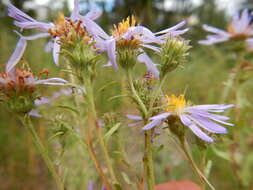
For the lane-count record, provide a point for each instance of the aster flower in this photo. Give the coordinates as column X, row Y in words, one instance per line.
column 63, row 27
column 23, row 77
column 19, row 85
column 240, row 28
column 132, row 36
column 195, row 118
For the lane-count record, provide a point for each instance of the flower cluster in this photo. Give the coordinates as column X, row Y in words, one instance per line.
column 82, row 43
column 240, row 28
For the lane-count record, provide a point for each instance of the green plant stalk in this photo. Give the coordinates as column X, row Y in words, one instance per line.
column 88, row 138
column 136, row 96
column 156, row 91
column 201, row 176
column 43, row 151
column 90, row 98
column 148, row 155
column 92, row 152
column 148, row 161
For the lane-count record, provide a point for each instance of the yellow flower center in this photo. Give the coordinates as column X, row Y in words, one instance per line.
column 175, row 104
column 123, row 26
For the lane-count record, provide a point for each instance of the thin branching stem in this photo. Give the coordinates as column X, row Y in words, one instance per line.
column 43, row 151
column 91, row 102
column 201, row 176
column 148, row 155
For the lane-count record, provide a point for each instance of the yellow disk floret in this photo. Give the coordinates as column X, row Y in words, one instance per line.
column 175, row 104
column 123, row 26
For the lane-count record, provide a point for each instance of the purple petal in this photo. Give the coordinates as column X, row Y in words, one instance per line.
column 17, row 54
column 171, row 29
column 34, row 25
column 76, row 10
column 134, row 117
column 49, row 46
column 52, row 81
column 35, row 36
column 111, row 51
column 154, row 48
column 94, row 13
column 94, row 29
column 214, row 30
column 42, row 100
column 250, row 43
column 135, row 124
column 207, row 124
column 198, row 132
column 204, row 113
column 151, row 67
column 151, row 124
column 213, row 106
column 18, row 14
column 90, row 185
column 213, row 39
column 56, row 50
column 143, row 34
column 35, row 113
column 160, row 116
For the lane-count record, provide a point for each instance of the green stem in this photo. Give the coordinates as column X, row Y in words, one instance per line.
column 156, row 91
column 90, row 98
column 43, row 151
column 148, row 156
column 136, row 96
column 148, row 161
column 201, row 176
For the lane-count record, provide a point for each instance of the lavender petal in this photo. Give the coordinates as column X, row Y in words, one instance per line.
column 151, row 124
column 76, row 10
column 160, row 116
column 111, row 51
column 151, row 67
column 17, row 54
column 198, row 132
column 208, row 125
column 134, row 117
column 171, row 29
column 56, row 50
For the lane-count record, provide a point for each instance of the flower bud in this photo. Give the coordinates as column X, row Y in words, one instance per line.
column 173, row 53
column 144, row 87
column 127, row 56
column 82, row 58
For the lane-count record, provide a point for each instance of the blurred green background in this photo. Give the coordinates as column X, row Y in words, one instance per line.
column 202, row 77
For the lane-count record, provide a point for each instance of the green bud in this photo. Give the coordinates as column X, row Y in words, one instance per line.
column 127, row 57
column 173, row 53
column 83, row 59
column 20, row 103
column 145, row 87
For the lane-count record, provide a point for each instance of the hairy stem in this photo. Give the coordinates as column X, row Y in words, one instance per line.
column 90, row 99
column 148, row 156
column 43, row 151
column 148, row 161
